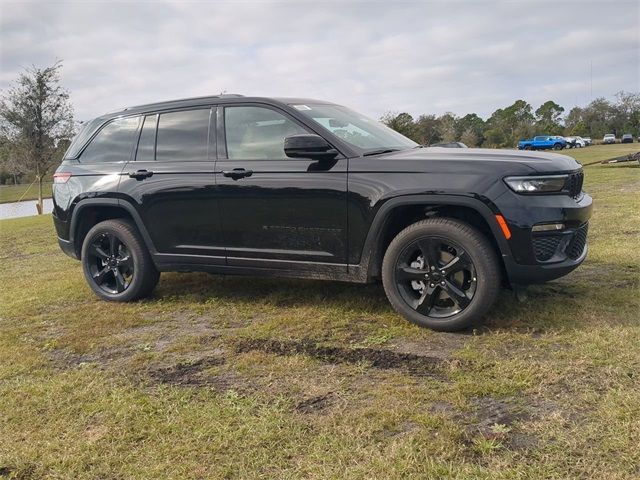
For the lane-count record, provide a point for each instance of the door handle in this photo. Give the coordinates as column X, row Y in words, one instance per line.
column 140, row 174
column 237, row 173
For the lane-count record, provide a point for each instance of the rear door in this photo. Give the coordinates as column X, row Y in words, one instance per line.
column 276, row 211
column 171, row 183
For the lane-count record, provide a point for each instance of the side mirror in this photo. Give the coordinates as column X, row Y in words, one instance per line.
column 309, row 146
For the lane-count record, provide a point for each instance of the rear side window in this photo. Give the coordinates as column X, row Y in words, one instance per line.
column 113, row 143
column 183, row 136
column 147, row 143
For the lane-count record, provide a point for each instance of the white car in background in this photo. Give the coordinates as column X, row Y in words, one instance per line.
column 587, row 141
column 609, row 138
column 575, row 142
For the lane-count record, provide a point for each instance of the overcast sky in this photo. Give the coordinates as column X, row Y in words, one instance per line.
column 420, row 57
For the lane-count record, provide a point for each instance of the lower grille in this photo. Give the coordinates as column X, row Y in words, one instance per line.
column 545, row 247
column 578, row 242
column 569, row 244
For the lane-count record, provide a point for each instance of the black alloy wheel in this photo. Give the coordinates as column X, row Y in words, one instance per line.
column 116, row 262
column 436, row 277
column 110, row 263
column 441, row 273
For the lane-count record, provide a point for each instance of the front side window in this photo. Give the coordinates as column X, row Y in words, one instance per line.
column 183, row 136
column 355, row 129
column 113, row 143
column 257, row 133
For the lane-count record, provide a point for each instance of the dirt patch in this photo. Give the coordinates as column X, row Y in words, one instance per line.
column 413, row 364
column 5, row 471
column 188, row 373
column 66, row 359
column 316, row 404
column 438, row 345
column 491, row 411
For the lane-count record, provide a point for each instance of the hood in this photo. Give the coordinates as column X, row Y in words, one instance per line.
column 438, row 159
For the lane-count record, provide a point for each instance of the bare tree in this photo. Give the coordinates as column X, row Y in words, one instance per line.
column 36, row 118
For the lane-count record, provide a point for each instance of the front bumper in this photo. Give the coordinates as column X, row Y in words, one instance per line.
column 540, row 257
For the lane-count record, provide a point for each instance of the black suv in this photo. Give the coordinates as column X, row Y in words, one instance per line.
column 306, row 188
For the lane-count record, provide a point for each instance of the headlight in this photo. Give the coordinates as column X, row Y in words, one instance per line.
column 545, row 184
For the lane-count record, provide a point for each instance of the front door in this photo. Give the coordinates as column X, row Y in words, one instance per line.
column 276, row 211
column 171, row 183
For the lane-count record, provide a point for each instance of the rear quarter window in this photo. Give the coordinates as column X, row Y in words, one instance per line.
column 113, row 143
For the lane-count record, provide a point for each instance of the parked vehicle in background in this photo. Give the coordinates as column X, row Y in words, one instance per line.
column 627, row 138
column 449, row 145
column 291, row 187
column 543, row 142
column 574, row 142
column 609, row 138
column 587, row 141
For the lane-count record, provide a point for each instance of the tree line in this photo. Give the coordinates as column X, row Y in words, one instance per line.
column 506, row 126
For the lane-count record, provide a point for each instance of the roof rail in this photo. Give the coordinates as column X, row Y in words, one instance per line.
column 222, row 95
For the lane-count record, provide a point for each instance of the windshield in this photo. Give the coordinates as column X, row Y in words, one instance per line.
column 357, row 130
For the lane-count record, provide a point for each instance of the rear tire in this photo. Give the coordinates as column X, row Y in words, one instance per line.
column 557, row 146
column 116, row 263
column 427, row 285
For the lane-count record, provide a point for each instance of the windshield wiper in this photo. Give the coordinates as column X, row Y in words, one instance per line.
column 380, row 151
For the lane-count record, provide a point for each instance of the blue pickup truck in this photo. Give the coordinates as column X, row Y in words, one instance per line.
column 543, row 142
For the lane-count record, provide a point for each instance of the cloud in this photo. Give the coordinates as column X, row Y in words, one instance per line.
column 428, row 57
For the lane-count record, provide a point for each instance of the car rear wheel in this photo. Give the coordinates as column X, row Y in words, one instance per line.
column 442, row 274
column 557, row 146
column 116, row 262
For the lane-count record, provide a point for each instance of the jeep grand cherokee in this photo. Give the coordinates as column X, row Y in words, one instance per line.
column 306, row 188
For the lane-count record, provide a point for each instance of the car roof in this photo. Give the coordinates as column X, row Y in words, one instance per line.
column 218, row 99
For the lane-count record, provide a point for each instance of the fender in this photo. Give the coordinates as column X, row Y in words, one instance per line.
column 486, row 210
column 111, row 202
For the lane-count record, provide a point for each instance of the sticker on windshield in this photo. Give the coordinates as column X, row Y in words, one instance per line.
column 301, row 107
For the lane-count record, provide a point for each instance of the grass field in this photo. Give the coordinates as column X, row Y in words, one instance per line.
column 266, row 378
column 13, row 193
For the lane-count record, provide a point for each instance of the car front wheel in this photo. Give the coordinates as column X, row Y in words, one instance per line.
column 441, row 274
column 116, row 263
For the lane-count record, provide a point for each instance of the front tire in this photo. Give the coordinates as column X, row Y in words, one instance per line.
column 441, row 274
column 116, row 263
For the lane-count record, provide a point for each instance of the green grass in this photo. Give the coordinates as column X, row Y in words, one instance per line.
column 13, row 193
column 225, row 377
column 597, row 153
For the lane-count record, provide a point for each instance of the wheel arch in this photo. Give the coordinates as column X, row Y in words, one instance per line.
column 89, row 212
column 398, row 213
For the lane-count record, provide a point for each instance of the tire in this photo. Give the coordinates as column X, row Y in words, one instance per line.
column 557, row 146
column 116, row 263
column 432, row 306
column 528, row 147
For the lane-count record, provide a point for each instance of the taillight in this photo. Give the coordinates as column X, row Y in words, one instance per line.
column 61, row 177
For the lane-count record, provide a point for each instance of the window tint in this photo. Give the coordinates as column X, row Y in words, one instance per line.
column 256, row 133
column 147, row 142
column 87, row 129
column 113, row 143
column 183, row 136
